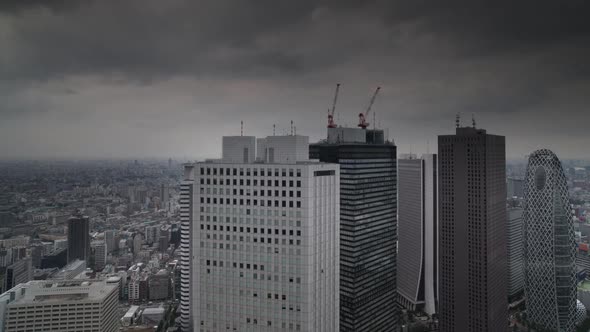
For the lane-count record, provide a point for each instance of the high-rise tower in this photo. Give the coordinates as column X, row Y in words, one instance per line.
column 472, row 238
column 186, row 219
column 78, row 238
column 417, row 230
column 550, row 248
column 265, row 238
column 368, row 231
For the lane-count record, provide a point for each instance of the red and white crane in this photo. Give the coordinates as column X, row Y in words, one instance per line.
column 362, row 116
column 331, row 123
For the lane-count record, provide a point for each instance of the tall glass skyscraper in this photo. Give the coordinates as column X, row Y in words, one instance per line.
column 550, row 249
column 368, row 226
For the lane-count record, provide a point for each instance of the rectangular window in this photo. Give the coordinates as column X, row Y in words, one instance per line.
column 324, row 173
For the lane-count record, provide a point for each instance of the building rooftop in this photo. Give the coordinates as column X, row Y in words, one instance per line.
column 63, row 291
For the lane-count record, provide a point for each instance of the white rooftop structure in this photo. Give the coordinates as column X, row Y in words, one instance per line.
column 239, row 149
column 283, row 149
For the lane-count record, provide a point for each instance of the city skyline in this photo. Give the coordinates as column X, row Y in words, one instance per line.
column 113, row 83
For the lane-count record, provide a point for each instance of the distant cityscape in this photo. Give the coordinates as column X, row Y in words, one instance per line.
column 345, row 234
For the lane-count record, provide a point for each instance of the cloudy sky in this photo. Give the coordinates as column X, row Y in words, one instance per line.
column 139, row 78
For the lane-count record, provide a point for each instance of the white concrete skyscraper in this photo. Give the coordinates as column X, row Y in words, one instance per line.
column 417, row 260
column 186, row 218
column 265, row 238
column 550, row 248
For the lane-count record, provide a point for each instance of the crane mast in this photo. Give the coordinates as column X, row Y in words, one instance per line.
column 362, row 116
column 331, row 123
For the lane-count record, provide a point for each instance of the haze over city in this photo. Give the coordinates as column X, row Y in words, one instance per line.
column 119, row 79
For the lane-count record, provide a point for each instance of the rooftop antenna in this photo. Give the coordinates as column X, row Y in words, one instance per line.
column 273, row 129
column 241, row 128
column 458, row 120
column 473, row 119
column 291, row 127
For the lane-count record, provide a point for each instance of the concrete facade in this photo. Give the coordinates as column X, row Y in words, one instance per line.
column 265, row 241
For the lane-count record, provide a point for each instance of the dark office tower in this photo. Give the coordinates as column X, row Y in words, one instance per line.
column 473, row 256
column 417, row 260
column 368, row 227
column 78, row 238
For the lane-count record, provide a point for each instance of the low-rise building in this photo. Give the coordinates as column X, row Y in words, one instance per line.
column 68, row 305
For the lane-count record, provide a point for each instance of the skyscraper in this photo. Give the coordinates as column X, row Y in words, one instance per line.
column 417, row 233
column 515, row 254
column 368, row 231
column 78, row 238
column 472, row 238
column 265, row 244
column 186, row 218
column 550, row 248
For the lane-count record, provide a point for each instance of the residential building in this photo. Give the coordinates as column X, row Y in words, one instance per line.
column 265, row 238
column 550, row 249
column 473, row 279
column 368, row 226
column 78, row 238
column 138, row 288
column 417, row 233
column 69, row 306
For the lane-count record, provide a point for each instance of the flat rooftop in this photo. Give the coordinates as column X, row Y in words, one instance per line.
column 43, row 291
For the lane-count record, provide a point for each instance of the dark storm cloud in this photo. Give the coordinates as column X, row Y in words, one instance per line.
column 148, row 37
column 144, row 38
column 122, row 62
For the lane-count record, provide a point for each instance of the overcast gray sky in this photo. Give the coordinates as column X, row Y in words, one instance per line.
column 139, row 78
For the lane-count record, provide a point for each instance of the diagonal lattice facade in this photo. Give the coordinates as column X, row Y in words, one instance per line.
column 550, row 271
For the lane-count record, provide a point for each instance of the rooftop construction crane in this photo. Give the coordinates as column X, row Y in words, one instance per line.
column 362, row 116
column 331, row 123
